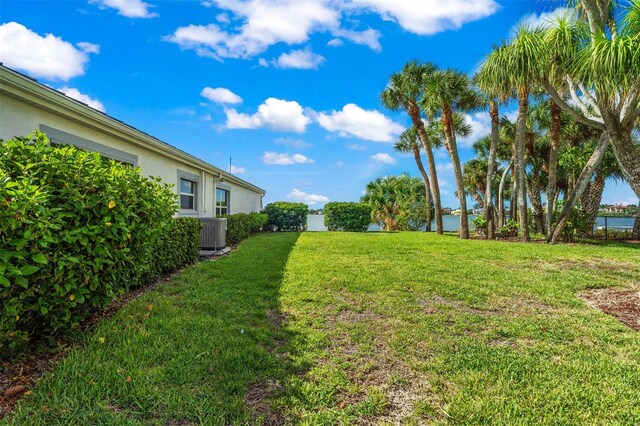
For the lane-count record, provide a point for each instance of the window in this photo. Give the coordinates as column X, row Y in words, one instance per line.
column 187, row 194
column 222, row 201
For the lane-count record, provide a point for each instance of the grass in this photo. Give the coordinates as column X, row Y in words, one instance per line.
column 341, row 328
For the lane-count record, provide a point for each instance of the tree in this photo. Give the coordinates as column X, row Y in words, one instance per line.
column 448, row 91
column 397, row 202
column 408, row 142
column 403, row 92
column 495, row 91
column 518, row 65
column 597, row 55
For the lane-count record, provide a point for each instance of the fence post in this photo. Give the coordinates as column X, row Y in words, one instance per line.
column 606, row 229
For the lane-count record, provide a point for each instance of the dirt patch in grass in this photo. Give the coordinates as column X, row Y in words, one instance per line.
column 559, row 265
column 622, row 304
column 257, row 400
column 376, row 367
column 431, row 306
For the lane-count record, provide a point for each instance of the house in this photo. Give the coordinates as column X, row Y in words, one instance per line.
column 618, row 208
column 204, row 191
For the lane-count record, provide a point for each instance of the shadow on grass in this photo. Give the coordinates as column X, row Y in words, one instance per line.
column 207, row 347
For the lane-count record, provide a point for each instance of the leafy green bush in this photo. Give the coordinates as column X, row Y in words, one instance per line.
column 285, row 216
column 242, row 225
column 578, row 222
column 510, row 229
column 178, row 246
column 75, row 231
column 354, row 217
column 481, row 225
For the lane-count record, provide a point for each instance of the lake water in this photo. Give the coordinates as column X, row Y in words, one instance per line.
column 451, row 223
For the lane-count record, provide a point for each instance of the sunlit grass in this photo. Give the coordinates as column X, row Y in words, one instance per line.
column 341, row 328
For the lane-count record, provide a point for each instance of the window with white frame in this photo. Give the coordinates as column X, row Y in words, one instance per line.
column 187, row 194
column 222, row 201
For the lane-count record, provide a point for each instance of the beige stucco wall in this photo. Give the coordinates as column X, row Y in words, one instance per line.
column 18, row 118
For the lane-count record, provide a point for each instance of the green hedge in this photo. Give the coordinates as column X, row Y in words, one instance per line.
column 76, row 231
column 178, row 246
column 345, row 216
column 285, row 216
column 242, row 225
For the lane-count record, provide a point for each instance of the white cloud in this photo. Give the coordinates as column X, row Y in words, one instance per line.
column 370, row 38
column 265, row 23
column 274, row 114
column 309, row 199
column 88, row 47
column 336, row 42
column 369, row 125
column 43, row 57
column 299, row 59
column 384, row 158
column 428, row 17
column 444, row 167
column 544, row 19
column 480, row 123
column 248, row 28
column 282, row 159
column 293, row 143
column 220, row 95
column 207, row 117
column 356, row 147
column 75, row 94
column 238, row 170
column 128, row 8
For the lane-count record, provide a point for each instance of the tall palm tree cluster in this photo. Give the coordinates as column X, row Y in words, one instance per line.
column 576, row 83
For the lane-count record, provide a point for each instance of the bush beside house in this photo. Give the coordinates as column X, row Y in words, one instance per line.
column 346, row 216
column 243, row 225
column 76, row 231
column 177, row 246
column 285, row 216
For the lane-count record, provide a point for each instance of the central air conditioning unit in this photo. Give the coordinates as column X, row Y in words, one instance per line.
column 214, row 233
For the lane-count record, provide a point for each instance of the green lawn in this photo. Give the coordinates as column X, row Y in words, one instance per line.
column 340, row 328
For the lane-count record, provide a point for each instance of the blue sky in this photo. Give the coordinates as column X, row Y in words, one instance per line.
column 286, row 88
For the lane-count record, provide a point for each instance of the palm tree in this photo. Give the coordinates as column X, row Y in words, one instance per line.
column 397, row 202
column 403, row 92
column 601, row 65
column 446, row 92
column 408, row 142
column 518, row 65
column 495, row 91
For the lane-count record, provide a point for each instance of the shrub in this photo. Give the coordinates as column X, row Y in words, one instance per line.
column 242, row 225
column 354, row 217
column 578, row 222
column 75, row 231
column 178, row 246
column 481, row 225
column 510, row 229
column 285, row 216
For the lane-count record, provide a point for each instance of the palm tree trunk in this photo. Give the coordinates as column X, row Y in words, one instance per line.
column 450, row 140
column 414, row 113
column 552, row 183
column 636, row 225
column 591, row 199
column 628, row 157
column 425, row 178
column 521, row 135
column 491, row 167
column 535, row 189
column 503, row 180
column 580, row 186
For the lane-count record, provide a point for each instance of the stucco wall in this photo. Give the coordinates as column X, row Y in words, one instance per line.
column 18, row 118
